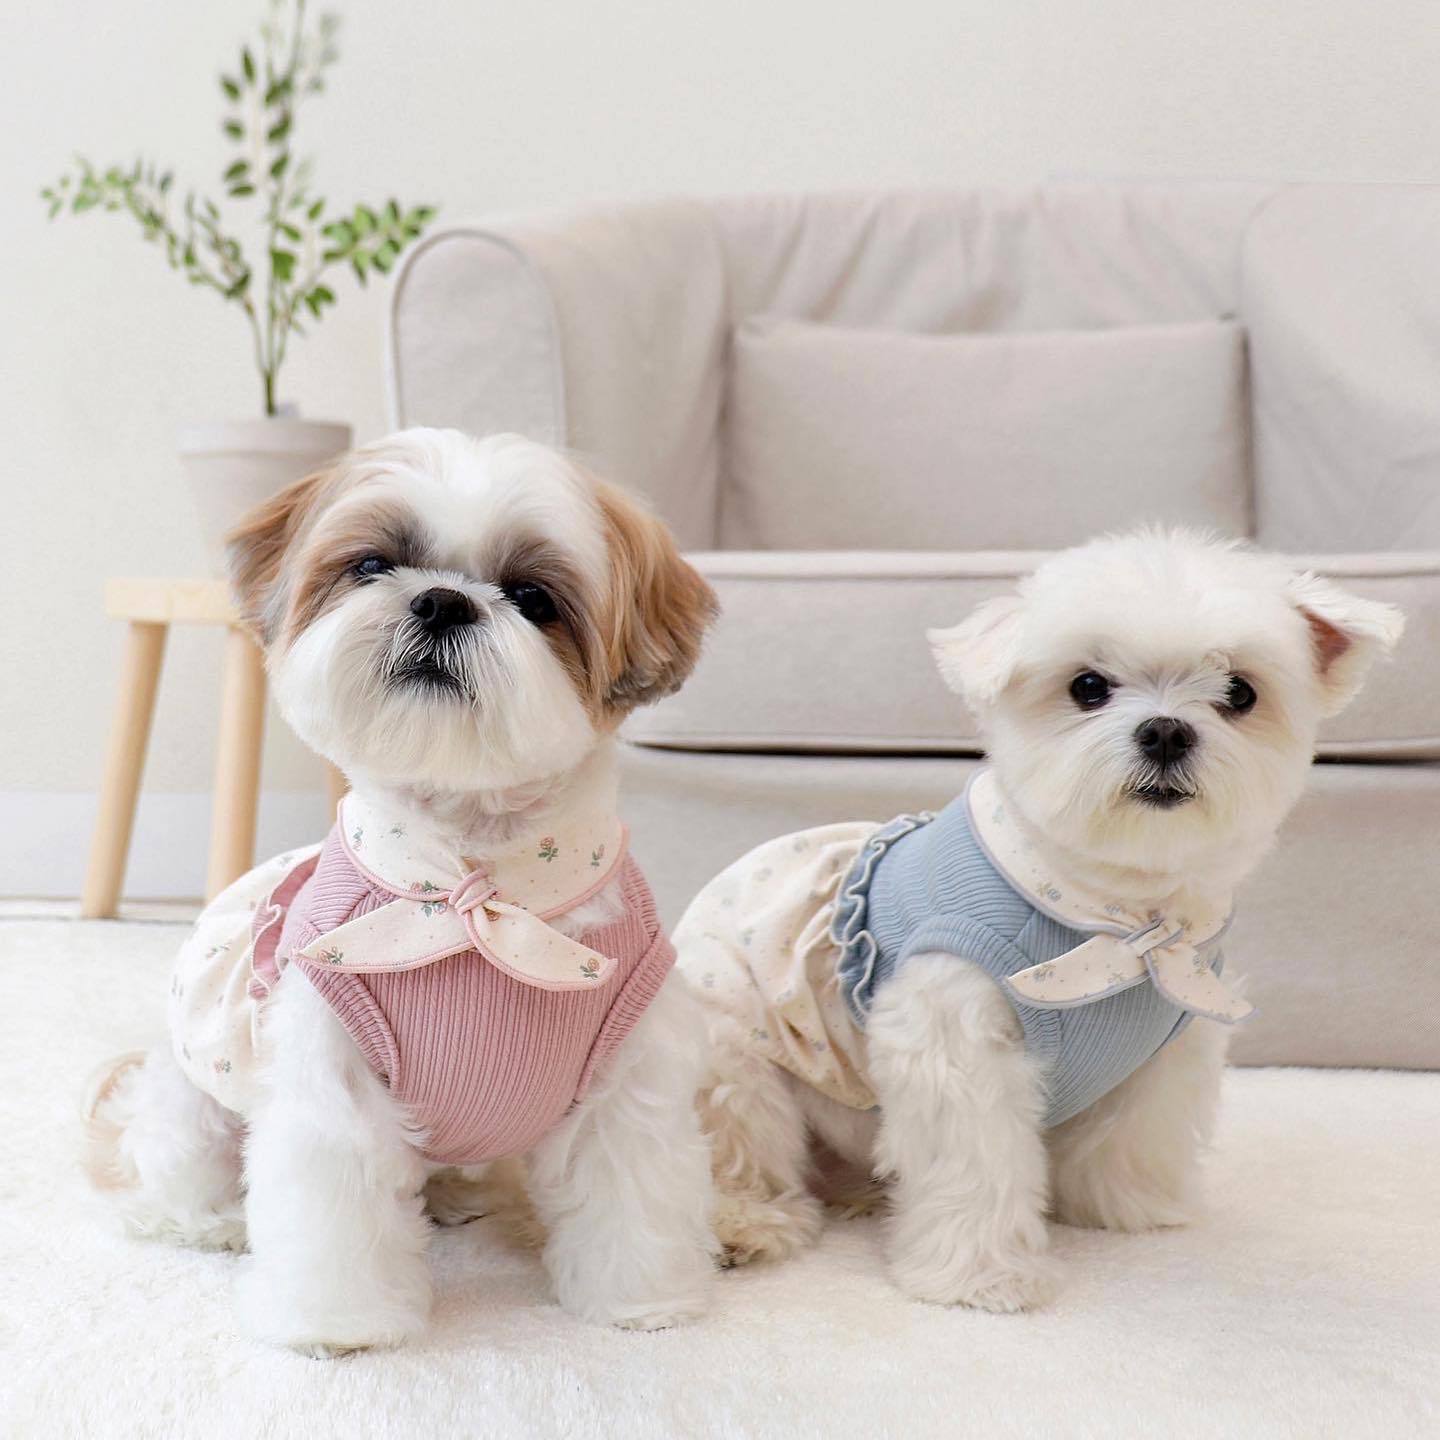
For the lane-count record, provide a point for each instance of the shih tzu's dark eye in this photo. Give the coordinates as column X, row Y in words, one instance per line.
column 1241, row 697
column 532, row 601
column 369, row 566
column 1090, row 690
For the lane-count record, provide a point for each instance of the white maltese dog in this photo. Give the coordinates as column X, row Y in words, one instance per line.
column 1009, row 1009
column 471, row 966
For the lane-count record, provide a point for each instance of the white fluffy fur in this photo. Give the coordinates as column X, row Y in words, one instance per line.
column 329, row 1190
column 1169, row 618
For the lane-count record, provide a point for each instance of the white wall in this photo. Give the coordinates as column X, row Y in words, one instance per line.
column 529, row 103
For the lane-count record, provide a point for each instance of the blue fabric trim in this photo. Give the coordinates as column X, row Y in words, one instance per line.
column 847, row 924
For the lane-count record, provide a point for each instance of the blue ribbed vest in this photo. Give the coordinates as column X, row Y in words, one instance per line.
column 923, row 885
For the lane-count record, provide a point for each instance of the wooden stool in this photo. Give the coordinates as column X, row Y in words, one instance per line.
column 151, row 607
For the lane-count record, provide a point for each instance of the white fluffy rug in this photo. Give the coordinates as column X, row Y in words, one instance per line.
column 1307, row 1305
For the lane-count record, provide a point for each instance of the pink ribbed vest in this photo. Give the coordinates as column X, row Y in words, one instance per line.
column 484, row 1063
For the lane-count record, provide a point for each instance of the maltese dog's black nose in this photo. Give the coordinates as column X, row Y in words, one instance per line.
column 1164, row 740
column 440, row 609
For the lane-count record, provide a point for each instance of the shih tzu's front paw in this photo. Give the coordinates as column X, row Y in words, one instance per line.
column 674, row 1294
column 664, row 1315
column 334, row 1315
column 687, row 1298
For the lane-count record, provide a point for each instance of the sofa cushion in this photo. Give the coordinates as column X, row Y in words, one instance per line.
column 783, row 667
column 883, row 440
column 1340, row 297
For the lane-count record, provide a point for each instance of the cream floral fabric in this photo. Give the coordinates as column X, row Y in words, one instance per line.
column 756, row 944
column 214, row 1010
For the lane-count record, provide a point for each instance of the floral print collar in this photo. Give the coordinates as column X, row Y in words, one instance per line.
column 1132, row 944
column 497, row 904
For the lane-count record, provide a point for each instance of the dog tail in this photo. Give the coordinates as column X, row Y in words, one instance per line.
column 105, row 1163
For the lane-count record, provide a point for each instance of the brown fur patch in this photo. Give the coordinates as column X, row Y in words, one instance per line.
column 255, row 548
column 319, row 569
column 657, row 611
column 572, row 637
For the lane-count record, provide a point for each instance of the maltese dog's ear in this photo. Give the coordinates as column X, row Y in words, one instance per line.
column 977, row 657
column 257, row 545
column 659, row 607
column 1347, row 634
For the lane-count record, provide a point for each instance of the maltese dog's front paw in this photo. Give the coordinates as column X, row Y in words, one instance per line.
column 1095, row 1201
column 1002, row 1290
column 326, row 1318
column 960, row 1270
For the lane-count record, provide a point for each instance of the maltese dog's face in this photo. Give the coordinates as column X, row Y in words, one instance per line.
column 1151, row 701
column 454, row 614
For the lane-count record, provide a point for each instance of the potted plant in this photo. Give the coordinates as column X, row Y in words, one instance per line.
column 233, row 464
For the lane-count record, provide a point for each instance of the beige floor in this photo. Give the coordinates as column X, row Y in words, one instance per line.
column 1307, row 1304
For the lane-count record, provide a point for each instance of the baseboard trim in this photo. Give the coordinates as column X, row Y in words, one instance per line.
column 45, row 840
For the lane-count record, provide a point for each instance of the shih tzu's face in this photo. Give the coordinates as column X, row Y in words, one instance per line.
column 1151, row 701
column 456, row 614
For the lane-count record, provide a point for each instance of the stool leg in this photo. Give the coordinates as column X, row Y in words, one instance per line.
column 237, row 762
column 335, row 785
column 124, row 764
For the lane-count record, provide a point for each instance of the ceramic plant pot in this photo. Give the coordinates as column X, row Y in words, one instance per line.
column 232, row 465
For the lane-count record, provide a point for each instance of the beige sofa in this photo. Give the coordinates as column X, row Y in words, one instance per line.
column 863, row 413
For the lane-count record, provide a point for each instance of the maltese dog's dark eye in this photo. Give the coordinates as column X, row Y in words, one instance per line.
column 1089, row 690
column 532, row 601
column 1241, row 697
column 371, row 566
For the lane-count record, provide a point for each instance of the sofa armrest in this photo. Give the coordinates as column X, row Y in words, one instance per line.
column 601, row 330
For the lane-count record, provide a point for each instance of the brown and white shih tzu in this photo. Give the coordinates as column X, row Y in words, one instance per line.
column 470, row 967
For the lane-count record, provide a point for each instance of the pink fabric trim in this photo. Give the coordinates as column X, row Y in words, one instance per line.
column 269, row 923
column 370, row 875
column 622, row 851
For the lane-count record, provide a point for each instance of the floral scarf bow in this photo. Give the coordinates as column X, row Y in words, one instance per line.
column 1130, row 946
column 444, row 904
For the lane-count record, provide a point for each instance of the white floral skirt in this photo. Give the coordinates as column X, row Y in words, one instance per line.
column 756, row 944
column 216, row 990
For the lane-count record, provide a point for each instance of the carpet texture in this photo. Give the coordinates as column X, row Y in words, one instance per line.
column 1307, row 1304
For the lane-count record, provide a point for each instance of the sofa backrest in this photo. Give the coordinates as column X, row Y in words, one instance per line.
column 612, row 331
column 1340, row 294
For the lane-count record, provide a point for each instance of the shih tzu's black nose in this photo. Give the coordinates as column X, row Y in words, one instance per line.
column 1164, row 740
column 440, row 609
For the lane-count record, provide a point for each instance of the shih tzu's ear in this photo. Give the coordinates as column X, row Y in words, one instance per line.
column 659, row 607
column 255, row 548
column 976, row 658
column 1347, row 635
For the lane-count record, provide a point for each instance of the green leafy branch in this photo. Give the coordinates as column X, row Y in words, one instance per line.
column 264, row 93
